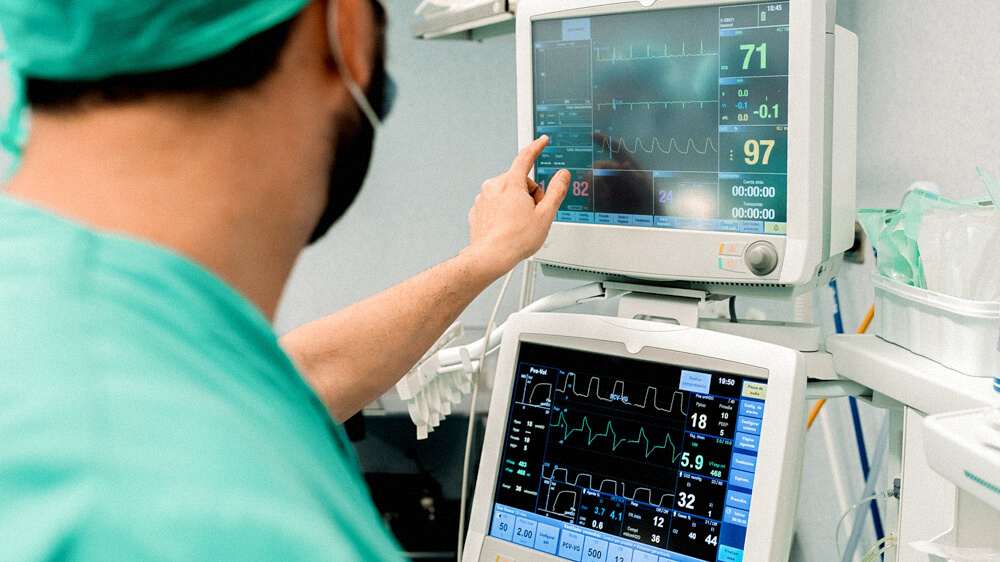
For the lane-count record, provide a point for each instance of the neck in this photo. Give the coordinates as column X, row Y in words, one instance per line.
column 216, row 185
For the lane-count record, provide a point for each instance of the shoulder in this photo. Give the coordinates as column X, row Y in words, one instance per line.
column 142, row 416
column 123, row 474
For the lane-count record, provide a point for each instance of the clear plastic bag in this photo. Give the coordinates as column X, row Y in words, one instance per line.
column 935, row 243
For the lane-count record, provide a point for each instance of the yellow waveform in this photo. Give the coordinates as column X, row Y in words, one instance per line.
column 609, row 145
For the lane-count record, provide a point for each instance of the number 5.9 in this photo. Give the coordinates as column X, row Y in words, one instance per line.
column 752, row 150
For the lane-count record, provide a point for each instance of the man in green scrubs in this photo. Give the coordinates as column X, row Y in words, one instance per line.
column 181, row 155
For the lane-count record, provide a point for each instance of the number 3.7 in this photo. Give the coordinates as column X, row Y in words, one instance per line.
column 752, row 150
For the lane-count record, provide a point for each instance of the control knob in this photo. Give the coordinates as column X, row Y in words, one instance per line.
column 761, row 258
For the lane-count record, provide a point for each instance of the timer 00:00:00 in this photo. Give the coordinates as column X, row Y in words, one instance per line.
column 753, row 213
column 754, row 191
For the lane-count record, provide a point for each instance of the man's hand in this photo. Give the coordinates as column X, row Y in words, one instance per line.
column 512, row 215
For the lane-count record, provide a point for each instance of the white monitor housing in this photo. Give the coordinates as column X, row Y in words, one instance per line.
column 627, row 440
column 712, row 144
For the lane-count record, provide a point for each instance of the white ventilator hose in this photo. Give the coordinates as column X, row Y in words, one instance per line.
column 564, row 299
column 873, row 474
column 833, row 460
column 467, row 458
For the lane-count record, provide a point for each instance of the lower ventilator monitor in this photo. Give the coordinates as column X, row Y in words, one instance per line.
column 633, row 441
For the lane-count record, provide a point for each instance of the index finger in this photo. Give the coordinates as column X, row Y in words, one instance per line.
column 526, row 158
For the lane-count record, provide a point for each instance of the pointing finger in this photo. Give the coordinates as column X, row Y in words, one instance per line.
column 535, row 191
column 526, row 158
column 555, row 194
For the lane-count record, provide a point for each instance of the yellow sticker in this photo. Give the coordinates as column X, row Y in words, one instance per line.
column 755, row 390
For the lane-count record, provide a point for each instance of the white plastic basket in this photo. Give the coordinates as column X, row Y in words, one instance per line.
column 960, row 334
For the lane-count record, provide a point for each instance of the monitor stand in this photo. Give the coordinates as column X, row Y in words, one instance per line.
column 681, row 306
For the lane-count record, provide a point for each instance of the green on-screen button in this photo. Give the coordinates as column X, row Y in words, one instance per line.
column 776, row 228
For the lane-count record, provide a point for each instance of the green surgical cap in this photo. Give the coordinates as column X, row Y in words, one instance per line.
column 95, row 39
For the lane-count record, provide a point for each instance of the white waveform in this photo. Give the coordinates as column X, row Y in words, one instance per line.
column 618, row 389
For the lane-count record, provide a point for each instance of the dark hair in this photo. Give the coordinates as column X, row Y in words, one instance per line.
column 240, row 68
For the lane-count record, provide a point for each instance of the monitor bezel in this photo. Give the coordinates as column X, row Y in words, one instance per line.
column 772, row 513
column 624, row 250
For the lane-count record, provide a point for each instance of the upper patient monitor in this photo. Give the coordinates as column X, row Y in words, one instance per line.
column 702, row 138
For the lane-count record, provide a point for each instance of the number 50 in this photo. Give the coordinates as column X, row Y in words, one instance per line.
column 752, row 150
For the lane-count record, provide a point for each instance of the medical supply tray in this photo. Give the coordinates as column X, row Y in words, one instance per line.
column 960, row 334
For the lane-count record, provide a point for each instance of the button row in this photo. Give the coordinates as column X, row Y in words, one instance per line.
column 571, row 545
column 683, row 223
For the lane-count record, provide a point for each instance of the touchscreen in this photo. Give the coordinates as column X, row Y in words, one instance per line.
column 674, row 118
column 614, row 459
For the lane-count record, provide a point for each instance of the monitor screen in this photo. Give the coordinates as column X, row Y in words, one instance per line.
column 610, row 459
column 674, row 118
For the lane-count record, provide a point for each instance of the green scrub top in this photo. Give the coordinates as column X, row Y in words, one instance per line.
column 147, row 412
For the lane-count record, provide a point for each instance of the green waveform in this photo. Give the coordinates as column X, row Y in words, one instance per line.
column 650, row 55
column 609, row 146
column 614, row 104
column 615, row 441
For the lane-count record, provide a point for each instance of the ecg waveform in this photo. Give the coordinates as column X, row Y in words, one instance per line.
column 609, row 432
column 614, row 104
column 611, row 486
column 608, row 145
column 650, row 54
column 618, row 389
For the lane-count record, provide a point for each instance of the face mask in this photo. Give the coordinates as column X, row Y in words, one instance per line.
column 353, row 148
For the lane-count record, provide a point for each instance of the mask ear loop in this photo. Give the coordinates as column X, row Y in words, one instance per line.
column 13, row 136
column 338, row 58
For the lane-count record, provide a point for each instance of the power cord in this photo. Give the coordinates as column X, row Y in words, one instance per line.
column 879, row 496
column 879, row 548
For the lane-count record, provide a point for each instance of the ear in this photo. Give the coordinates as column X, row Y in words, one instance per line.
column 355, row 30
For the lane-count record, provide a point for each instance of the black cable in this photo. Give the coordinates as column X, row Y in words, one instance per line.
column 732, row 310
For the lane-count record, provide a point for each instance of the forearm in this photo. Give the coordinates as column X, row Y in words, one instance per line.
column 353, row 356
